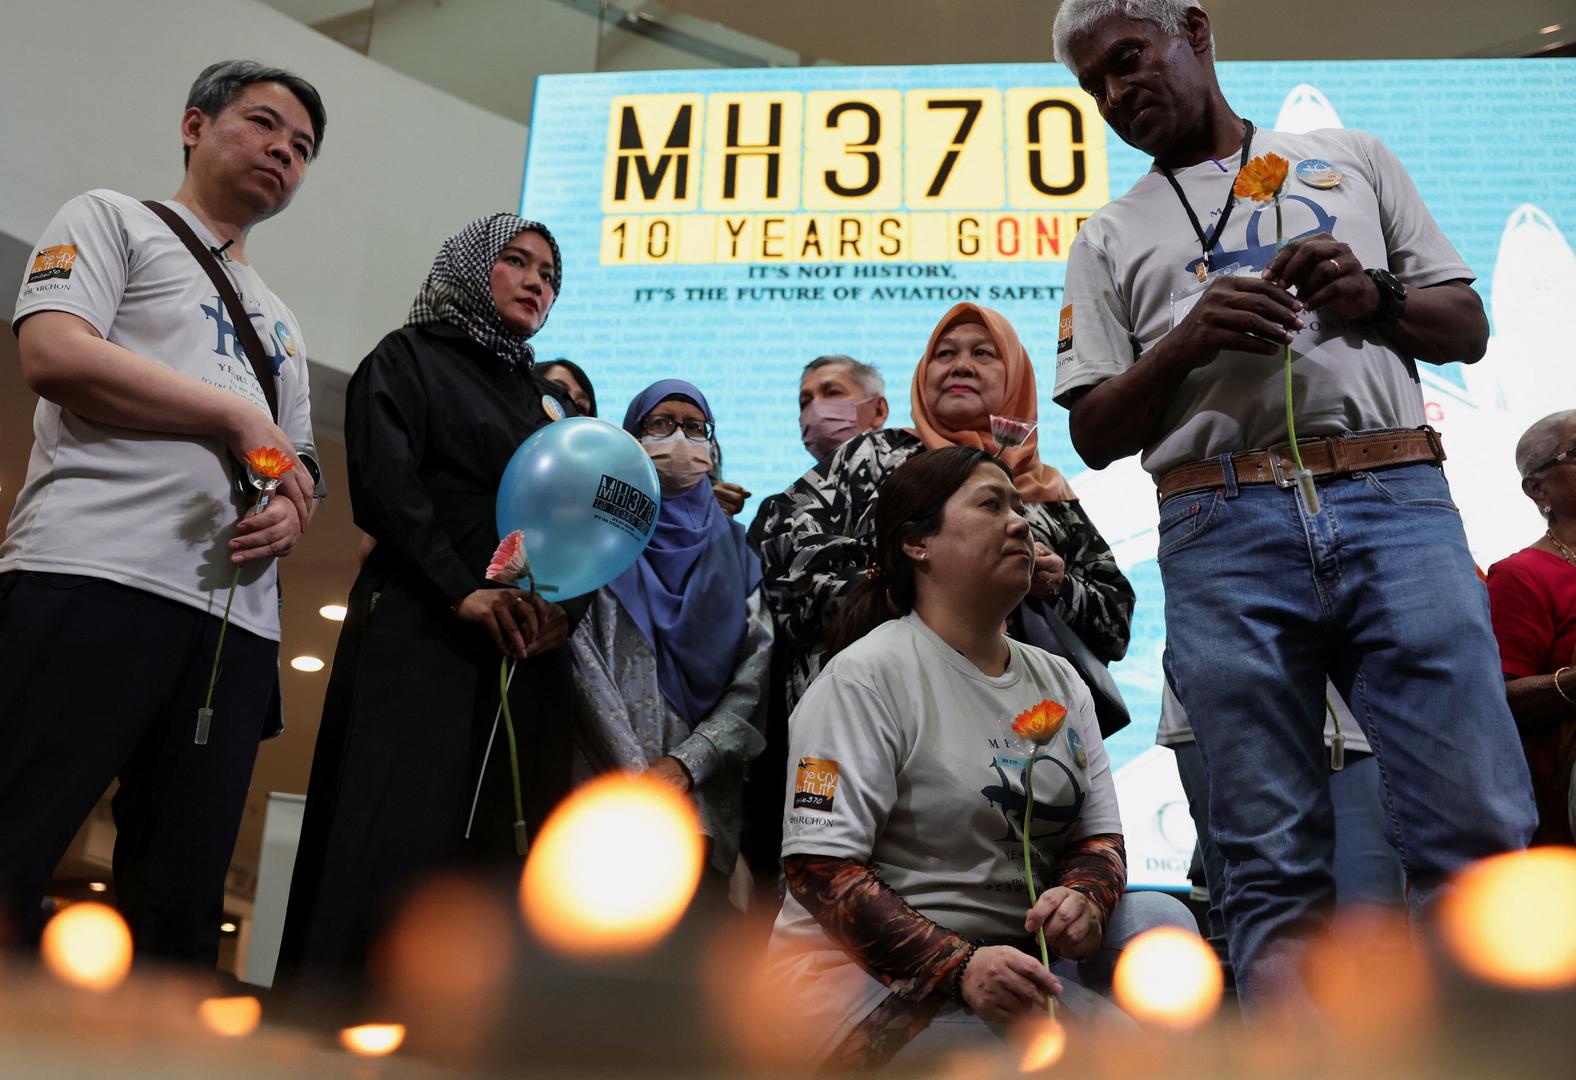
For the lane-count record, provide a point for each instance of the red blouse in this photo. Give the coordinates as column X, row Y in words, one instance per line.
column 1532, row 599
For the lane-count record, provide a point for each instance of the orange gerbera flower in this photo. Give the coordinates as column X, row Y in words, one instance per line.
column 269, row 463
column 1261, row 178
column 1040, row 723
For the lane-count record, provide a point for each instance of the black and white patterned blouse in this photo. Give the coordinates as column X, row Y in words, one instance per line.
column 817, row 538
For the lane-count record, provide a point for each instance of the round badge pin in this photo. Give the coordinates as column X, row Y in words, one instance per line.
column 1316, row 172
column 1075, row 744
column 552, row 408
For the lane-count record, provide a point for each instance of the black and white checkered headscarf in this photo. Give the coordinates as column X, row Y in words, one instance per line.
column 458, row 289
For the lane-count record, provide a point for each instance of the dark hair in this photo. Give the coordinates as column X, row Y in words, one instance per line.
column 220, row 83
column 580, row 377
column 909, row 506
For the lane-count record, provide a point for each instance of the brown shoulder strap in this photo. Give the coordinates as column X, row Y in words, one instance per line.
column 244, row 330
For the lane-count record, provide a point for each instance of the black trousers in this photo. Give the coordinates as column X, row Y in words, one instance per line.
column 98, row 681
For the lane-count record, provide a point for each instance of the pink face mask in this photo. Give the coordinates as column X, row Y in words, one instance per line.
column 681, row 462
column 827, row 423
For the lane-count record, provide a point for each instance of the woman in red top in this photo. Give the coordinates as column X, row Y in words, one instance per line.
column 1533, row 598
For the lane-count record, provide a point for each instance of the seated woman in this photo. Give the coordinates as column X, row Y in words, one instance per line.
column 908, row 917
column 566, row 374
column 1532, row 598
column 432, row 417
column 815, row 537
column 671, row 661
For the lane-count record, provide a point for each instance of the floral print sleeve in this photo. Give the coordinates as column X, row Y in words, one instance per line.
column 1097, row 867
column 913, row 956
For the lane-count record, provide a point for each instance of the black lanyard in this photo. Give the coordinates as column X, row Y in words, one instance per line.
column 1207, row 243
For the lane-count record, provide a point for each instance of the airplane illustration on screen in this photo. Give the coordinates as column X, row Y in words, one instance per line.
column 1306, row 109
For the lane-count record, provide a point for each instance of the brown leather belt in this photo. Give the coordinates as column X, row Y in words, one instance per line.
column 1337, row 455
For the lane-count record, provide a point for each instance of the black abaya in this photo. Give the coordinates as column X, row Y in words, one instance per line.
column 431, row 421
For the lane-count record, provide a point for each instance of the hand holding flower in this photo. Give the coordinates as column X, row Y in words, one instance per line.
column 1070, row 920
column 507, row 615
column 1327, row 275
column 1037, row 725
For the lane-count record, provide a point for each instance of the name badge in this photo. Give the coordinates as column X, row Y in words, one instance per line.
column 1183, row 300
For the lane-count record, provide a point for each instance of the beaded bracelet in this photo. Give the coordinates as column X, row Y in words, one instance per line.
column 956, row 987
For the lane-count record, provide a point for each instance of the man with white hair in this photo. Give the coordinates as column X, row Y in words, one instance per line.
column 1180, row 307
column 839, row 397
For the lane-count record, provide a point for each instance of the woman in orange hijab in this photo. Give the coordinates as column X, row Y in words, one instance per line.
column 816, row 538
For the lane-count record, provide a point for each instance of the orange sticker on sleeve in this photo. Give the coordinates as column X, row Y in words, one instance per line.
column 816, row 784
column 1064, row 333
column 52, row 262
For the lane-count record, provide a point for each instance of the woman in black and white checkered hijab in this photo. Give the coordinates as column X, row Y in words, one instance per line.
column 433, row 416
column 471, row 284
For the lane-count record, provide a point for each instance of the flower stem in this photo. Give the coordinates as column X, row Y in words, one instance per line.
column 213, row 672
column 1028, row 872
column 504, row 669
column 1310, row 494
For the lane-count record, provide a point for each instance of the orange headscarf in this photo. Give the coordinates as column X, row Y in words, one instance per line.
column 1036, row 481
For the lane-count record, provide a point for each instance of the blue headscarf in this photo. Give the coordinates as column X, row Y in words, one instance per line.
column 687, row 590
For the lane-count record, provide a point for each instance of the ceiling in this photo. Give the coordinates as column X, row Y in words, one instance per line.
column 489, row 52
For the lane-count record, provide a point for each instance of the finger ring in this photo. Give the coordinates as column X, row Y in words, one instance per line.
column 519, row 599
column 1335, row 265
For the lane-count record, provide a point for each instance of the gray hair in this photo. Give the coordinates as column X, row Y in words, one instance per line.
column 1541, row 441
column 219, row 84
column 865, row 375
column 1075, row 18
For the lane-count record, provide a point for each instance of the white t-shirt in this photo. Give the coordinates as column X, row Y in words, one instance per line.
column 902, row 756
column 1135, row 252
column 1175, row 728
column 149, row 510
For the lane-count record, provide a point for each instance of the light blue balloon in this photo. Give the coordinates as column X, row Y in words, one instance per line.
column 584, row 494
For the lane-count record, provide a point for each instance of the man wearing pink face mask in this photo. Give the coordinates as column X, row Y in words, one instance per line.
column 839, row 397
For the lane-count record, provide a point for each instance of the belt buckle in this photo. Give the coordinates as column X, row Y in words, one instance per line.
column 1277, row 469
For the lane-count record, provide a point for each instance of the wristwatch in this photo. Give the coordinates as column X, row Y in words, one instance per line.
column 319, row 485
column 1392, row 299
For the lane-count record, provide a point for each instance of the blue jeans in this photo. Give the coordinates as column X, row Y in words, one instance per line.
column 1379, row 592
column 1365, row 867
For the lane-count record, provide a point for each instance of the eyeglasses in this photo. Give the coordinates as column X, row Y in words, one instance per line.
column 663, row 426
column 1557, row 459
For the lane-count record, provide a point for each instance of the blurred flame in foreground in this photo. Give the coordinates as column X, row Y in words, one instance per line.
column 445, row 962
column 372, row 1040
column 1168, row 976
column 1046, row 1046
column 232, row 1017
column 1511, row 919
column 614, row 868
column 88, row 945
column 1370, row 979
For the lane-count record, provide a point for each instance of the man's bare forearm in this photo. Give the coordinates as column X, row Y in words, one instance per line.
column 1120, row 416
column 65, row 361
column 1442, row 324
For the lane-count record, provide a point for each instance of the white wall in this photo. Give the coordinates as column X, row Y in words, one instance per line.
column 93, row 93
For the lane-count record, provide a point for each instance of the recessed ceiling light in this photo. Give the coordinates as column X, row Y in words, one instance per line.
column 333, row 612
column 227, row 927
column 1550, row 29
column 97, row 886
column 307, row 663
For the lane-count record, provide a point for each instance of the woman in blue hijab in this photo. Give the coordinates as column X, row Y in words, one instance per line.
column 672, row 659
